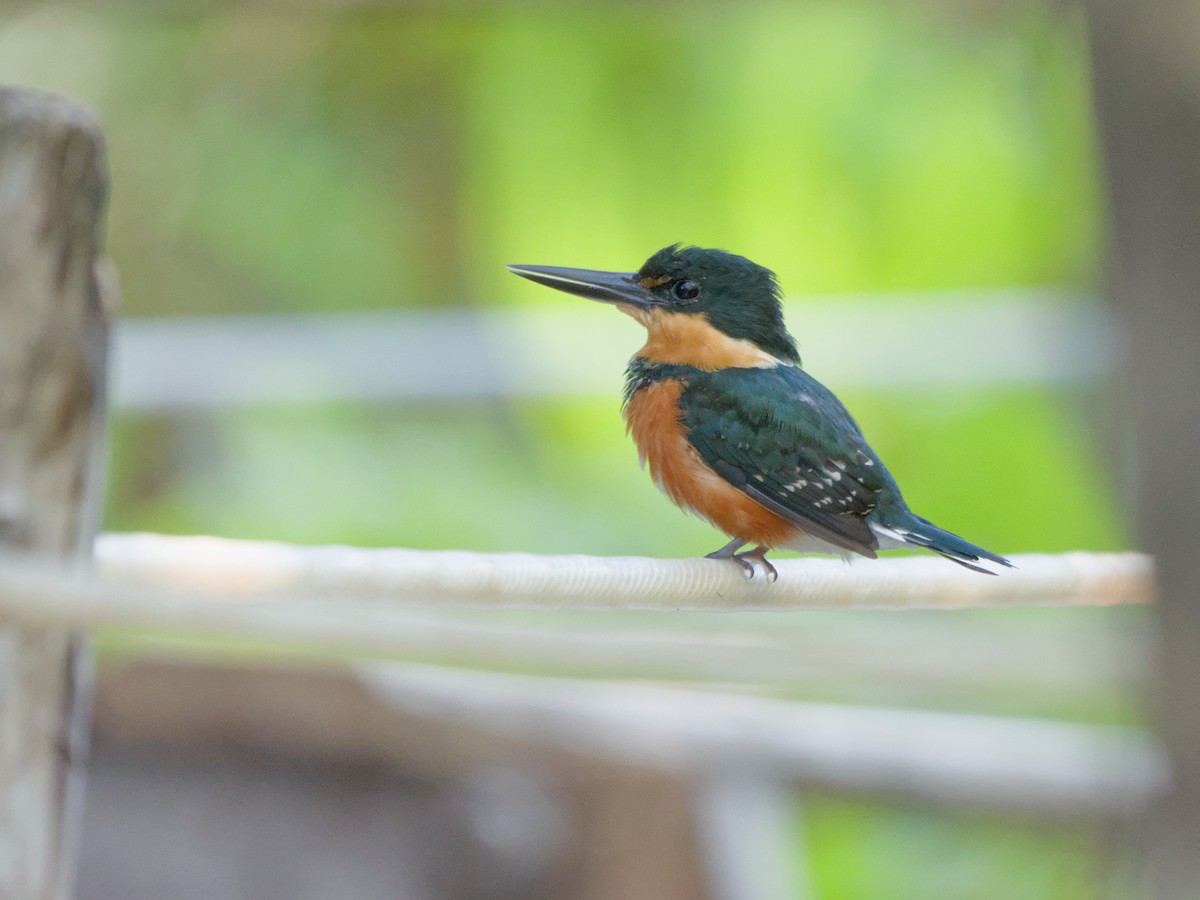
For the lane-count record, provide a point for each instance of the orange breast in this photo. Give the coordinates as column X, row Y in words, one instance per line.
column 652, row 417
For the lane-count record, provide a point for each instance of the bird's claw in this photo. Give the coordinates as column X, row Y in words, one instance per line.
column 759, row 555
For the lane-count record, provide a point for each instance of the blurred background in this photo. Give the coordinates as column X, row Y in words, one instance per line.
column 311, row 208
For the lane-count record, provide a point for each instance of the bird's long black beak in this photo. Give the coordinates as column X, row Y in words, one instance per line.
column 607, row 287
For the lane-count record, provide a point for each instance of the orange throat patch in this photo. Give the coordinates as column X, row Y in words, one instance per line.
column 652, row 418
column 691, row 340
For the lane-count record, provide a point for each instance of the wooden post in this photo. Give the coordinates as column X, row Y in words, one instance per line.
column 1148, row 98
column 53, row 340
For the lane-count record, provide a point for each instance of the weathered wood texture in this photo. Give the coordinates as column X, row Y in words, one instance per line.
column 1147, row 77
column 52, row 361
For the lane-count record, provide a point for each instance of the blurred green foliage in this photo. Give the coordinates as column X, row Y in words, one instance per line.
column 919, row 854
column 265, row 162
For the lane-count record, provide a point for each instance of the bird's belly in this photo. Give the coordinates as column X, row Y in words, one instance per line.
column 802, row 542
column 652, row 418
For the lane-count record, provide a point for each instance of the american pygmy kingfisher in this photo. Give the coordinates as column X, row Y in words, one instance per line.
column 734, row 430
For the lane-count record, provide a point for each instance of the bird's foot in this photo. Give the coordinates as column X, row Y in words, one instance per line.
column 746, row 560
column 759, row 555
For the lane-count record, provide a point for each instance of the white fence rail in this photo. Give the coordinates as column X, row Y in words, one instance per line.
column 1015, row 765
column 883, row 342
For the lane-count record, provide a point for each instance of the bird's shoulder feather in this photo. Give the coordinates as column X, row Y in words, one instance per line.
column 785, row 440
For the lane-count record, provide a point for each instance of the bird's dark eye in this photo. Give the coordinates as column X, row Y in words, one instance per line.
column 686, row 290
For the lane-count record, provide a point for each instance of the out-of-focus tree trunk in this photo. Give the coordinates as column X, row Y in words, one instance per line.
column 1147, row 77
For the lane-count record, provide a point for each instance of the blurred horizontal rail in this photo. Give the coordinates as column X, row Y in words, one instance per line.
column 1068, row 663
column 898, row 342
column 1018, row 765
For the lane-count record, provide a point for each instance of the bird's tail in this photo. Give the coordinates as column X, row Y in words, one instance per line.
column 909, row 528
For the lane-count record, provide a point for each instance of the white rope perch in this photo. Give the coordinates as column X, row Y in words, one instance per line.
column 250, row 569
column 338, row 596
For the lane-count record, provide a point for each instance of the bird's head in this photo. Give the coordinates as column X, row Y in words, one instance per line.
column 701, row 307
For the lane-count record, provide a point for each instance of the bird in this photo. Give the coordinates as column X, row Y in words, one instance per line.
column 733, row 429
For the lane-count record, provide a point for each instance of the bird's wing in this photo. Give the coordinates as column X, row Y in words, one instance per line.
column 786, row 441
